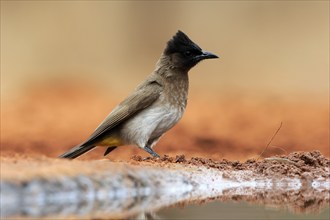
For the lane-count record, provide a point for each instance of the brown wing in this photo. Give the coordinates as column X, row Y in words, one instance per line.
column 143, row 97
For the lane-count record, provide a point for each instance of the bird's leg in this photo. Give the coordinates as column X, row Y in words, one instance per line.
column 109, row 149
column 150, row 151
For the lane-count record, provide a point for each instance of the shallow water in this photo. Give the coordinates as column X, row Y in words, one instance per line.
column 245, row 203
column 235, row 210
column 205, row 210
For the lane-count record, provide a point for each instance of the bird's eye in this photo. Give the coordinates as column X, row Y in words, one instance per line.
column 187, row 53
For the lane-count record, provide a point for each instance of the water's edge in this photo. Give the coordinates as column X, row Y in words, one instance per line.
column 135, row 189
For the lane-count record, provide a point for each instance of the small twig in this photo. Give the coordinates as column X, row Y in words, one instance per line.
column 281, row 148
column 270, row 141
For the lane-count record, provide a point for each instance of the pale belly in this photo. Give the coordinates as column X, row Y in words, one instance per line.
column 150, row 124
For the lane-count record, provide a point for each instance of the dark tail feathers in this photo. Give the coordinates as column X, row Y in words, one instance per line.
column 76, row 151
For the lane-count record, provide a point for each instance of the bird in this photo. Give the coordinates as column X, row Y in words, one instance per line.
column 154, row 107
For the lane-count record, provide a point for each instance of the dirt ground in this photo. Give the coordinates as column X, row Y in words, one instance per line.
column 49, row 119
column 303, row 165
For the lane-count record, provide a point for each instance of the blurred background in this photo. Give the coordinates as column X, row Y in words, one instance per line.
column 66, row 64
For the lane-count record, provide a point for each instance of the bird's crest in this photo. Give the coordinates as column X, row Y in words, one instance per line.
column 180, row 42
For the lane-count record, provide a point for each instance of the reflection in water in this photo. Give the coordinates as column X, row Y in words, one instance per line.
column 276, row 203
column 235, row 210
column 60, row 199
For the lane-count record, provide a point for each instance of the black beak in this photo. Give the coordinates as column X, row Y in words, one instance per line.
column 208, row 55
column 203, row 56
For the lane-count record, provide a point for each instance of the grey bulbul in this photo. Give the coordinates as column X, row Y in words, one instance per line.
column 154, row 107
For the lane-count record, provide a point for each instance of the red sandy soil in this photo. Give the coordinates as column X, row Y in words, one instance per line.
column 303, row 165
column 52, row 118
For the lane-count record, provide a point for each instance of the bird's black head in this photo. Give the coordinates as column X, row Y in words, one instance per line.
column 184, row 53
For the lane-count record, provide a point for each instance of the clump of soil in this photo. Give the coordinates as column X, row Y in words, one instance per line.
column 297, row 164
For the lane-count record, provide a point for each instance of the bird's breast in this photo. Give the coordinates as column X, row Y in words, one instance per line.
column 151, row 123
column 170, row 116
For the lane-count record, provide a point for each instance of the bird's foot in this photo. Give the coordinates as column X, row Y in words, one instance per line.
column 150, row 151
column 147, row 158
